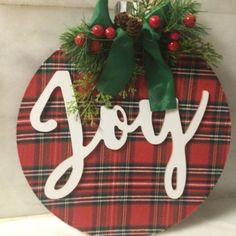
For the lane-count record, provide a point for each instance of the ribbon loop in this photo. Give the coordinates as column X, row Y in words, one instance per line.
column 101, row 14
column 120, row 65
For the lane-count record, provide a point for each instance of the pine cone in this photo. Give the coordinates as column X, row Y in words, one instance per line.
column 121, row 20
column 134, row 27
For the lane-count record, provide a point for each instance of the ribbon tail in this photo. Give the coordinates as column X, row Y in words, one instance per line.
column 159, row 76
column 101, row 14
column 120, row 65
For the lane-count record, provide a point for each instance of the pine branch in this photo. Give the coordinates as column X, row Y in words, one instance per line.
column 83, row 59
column 88, row 100
column 192, row 38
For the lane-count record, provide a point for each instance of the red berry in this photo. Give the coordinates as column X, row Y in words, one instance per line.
column 173, row 46
column 190, row 20
column 80, row 40
column 155, row 22
column 98, row 31
column 95, row 46
column 174, row 36
column 110, row 33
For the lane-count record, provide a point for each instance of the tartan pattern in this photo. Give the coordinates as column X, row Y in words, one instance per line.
column 122, row 192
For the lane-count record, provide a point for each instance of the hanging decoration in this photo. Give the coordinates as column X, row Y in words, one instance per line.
column 125, row 130
column 147, row 40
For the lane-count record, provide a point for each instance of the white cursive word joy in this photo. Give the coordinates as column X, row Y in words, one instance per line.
column 109, row 120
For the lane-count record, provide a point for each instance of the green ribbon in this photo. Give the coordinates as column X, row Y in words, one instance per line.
column 120, row 65
column 101, row 14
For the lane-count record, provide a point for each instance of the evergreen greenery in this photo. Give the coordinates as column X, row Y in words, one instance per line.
column 89, row 65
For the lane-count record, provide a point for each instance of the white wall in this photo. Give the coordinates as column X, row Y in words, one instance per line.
column 227, row 6
column 29, row 34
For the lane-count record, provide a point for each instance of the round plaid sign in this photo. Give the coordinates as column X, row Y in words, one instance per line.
column 134, row 172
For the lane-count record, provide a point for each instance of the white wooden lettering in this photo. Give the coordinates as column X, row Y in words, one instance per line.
column 109, row 120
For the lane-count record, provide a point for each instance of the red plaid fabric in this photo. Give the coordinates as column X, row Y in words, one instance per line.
column 122, row 192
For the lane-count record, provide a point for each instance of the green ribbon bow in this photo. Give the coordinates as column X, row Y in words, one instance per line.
column 120, row 64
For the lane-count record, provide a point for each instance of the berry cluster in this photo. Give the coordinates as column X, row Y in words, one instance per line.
column 98, row 32
column 174, row 36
